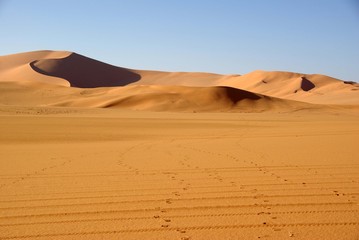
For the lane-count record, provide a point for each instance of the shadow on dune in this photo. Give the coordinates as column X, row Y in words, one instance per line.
column 235, row 95
column 85, row 72
column 306, row 85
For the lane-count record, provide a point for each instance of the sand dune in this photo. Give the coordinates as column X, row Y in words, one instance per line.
column 21, row 86
column 312, row 88
column 36, row 72
column 76, row 70
column 84, row 72
column 195, row 99
column 144, row 97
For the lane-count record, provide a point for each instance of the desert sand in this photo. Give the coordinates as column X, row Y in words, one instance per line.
column 93, row 151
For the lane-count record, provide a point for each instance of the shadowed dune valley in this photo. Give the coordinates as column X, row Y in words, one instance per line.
column 90, row 150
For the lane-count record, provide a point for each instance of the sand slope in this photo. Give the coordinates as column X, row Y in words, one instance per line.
column 147, row 97
column 196, row 79
column 16, row 68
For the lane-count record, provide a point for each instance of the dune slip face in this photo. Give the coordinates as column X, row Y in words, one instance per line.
column 84, row 72
column 93, row 151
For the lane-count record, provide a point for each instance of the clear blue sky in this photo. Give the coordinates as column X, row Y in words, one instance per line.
column 227, row 36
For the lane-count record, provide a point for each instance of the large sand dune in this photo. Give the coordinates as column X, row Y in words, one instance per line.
column 267, row 155
column 74, row 69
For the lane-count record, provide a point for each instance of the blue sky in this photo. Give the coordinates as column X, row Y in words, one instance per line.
column 227, row 36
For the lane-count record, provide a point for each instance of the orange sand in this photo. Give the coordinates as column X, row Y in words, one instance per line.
column 274, row 157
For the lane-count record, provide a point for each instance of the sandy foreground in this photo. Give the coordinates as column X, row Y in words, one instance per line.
column 120, row 174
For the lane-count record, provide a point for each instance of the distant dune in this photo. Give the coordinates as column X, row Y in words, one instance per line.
column 60, row 78
column 312, row 88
